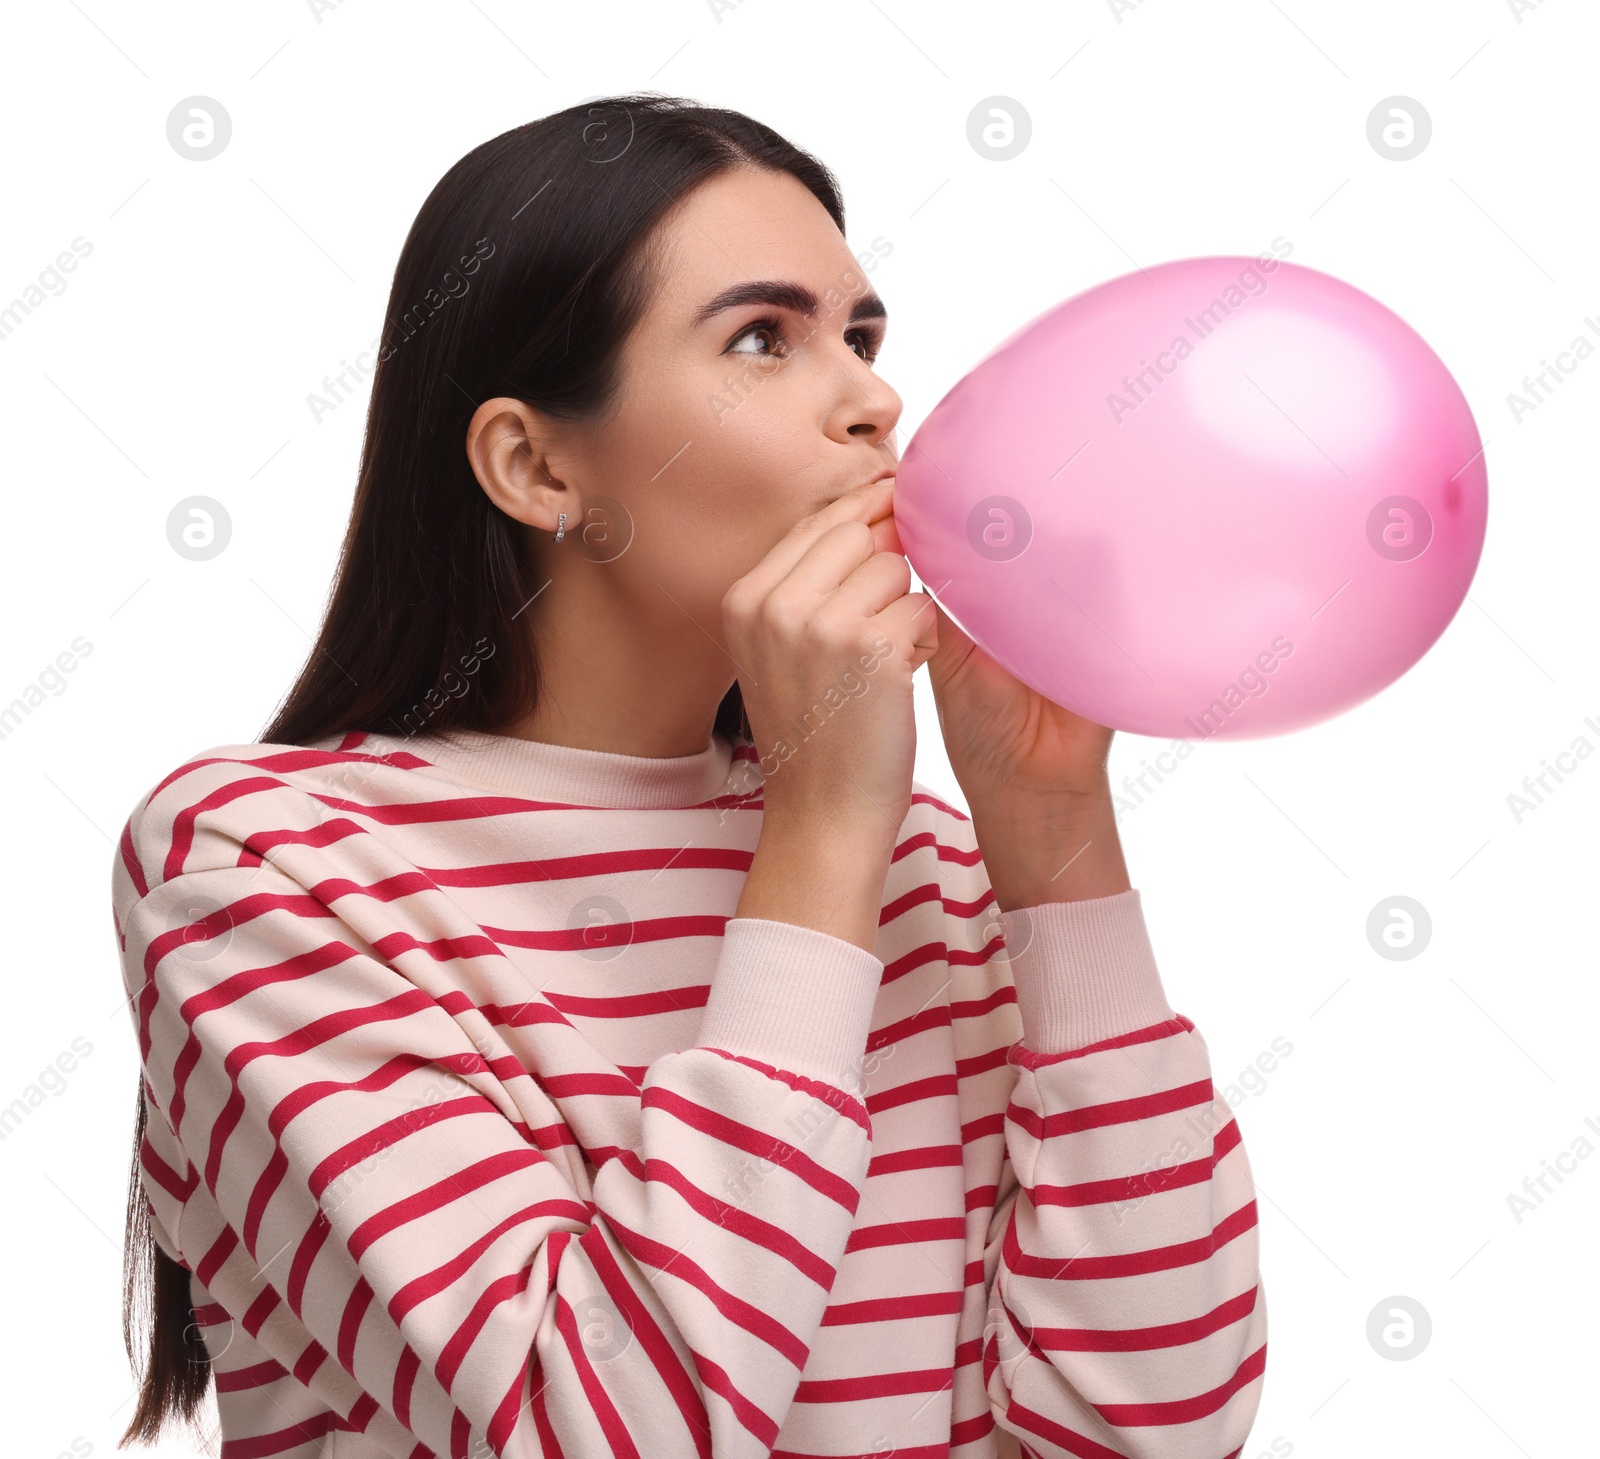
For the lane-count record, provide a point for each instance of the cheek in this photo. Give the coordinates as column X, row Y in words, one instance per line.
column 690, row 554
column 712, row 484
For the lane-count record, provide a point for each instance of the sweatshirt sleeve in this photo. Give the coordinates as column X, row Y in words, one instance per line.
column 1125, row 1309
column 397, row 1205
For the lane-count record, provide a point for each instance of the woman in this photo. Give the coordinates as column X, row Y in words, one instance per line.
column 571, row 1030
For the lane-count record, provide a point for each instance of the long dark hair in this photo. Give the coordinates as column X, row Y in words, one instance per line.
column 525, row 271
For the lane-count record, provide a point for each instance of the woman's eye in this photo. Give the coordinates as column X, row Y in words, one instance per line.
column 862, row 342
column 771, row 331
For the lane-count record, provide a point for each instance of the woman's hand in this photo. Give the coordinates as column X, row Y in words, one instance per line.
column 826, row 636
column 1004, row 738
column 1034, row 775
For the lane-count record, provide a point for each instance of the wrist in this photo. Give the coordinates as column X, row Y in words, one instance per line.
column 1060, row 848
column 841, row 833
column 819, row 872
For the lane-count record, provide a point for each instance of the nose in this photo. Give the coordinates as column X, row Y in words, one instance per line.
column 868, row 408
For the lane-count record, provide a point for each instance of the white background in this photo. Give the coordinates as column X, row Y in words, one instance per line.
column 179, row 359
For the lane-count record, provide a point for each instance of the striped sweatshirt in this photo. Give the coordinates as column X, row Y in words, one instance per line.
column 483, row 1127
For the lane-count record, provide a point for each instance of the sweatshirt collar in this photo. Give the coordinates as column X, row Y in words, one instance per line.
column 574, row 776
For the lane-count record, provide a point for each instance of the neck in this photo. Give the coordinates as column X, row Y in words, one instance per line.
column 619, row 676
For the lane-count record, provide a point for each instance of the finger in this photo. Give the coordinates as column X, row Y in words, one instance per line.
column 954, row 646
column 950, row 630
column 910, row 625
column 871, row 504
column 855, row 586
column 886, row 533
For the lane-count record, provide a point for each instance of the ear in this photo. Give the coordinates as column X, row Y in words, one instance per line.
column 519, row 456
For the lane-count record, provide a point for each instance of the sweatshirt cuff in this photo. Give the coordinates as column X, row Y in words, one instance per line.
column 793, row 997
column 1083, row 971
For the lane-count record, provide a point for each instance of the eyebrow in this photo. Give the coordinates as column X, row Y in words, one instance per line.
column 784, row 294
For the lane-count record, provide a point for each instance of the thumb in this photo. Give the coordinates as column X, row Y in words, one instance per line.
column 954, row 646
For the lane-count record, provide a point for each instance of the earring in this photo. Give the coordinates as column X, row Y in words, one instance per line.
column 561, row 526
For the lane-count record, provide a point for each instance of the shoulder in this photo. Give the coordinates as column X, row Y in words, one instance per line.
column 207, row 811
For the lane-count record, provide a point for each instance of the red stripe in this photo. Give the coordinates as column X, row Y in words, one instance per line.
column 430, row 1283
column 405, row 1375
column 549, row 1446
column 308, row 1362
column 260, row 844
column 1127, row 1264
column 503, row 1422
column 745, row 1137
column 130, row 858
column 1020, row 1416
column 295, row 1103
column 498, row 1292
column 183, row 824
column 979, row 1008
column 626, row 1006
column 455, row 1185
column 907, row 1233
column 261, row 1446
column 872, row 1385
column 1124, row 1188
column 619, row 1287
column 752, row 1319
column 925, row 955
column 925, row 797
column 616, row 934
column 220, row 1250
column 1143, row 1339
column 1112, row 1112
column 970, row 1430
column 318, row 1031
column 163, row 1174
column 892, row 1309
column 716, row 1378
column 1130, row 1187
column 722, row 1213
column 929, row 1157
column 362, row 1412
column 584, row 1081
column 935, row 1017
column 836, row 1098
column 214, row 924
column 991, row 1059
column 355, row 1308
column 305, row 1254
column 913, row 1091
column 1185, row 1410
column 917, row 896
column 983, row 1127
column 257, row 1375
column 618, row 1441
column 1028, row 1059
column 587, row 864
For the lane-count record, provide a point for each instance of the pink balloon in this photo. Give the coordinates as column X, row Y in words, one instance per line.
column 1219, row 497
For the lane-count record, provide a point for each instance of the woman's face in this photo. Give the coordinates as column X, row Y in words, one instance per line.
column 737, row 415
